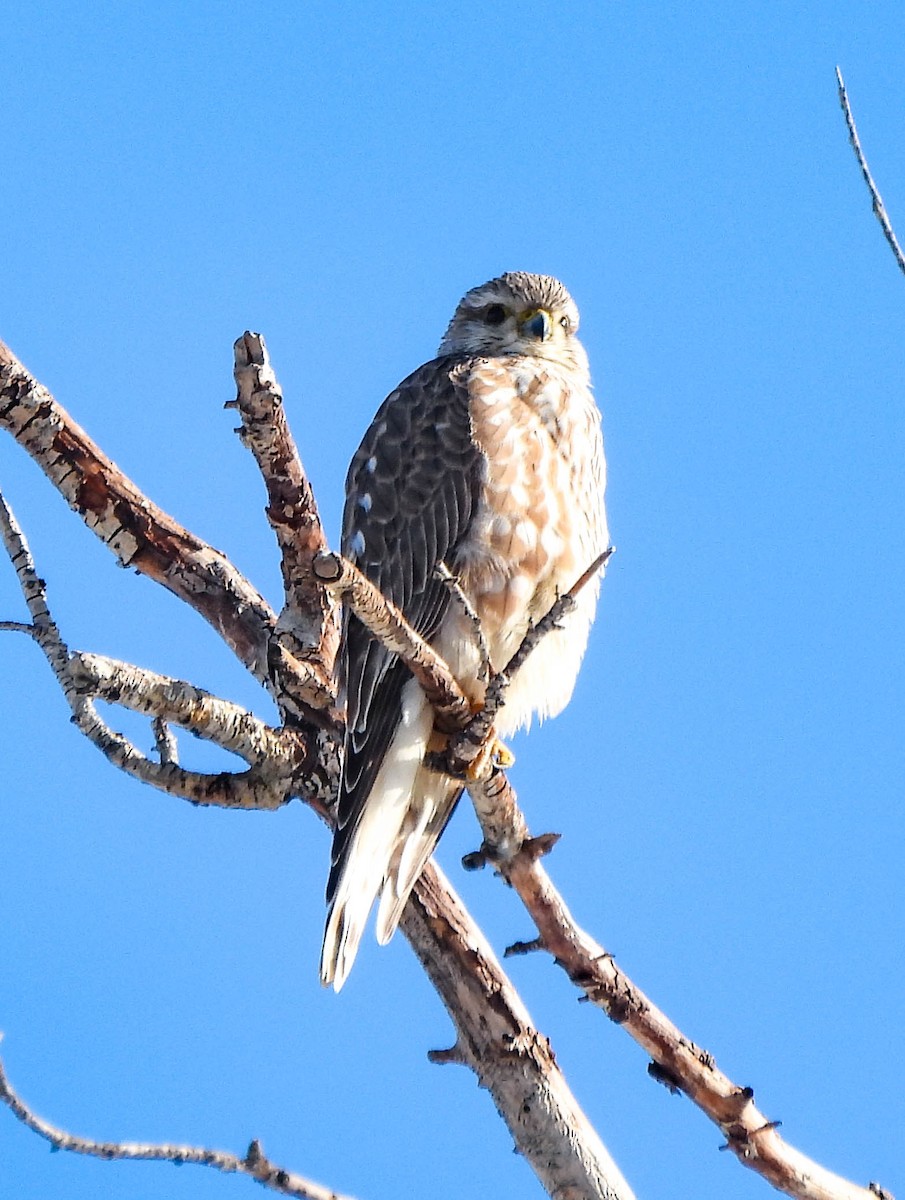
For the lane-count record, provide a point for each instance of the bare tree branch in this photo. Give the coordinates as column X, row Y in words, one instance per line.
column 751, row 1136
column 677, row 1061
column 263, row 785
column 226, row 724
column 165, row 741
column 495, row 1035
column 308, row 626
column 527, row 1086
column 875, row 198
column 254, row 1164
column 498, row 1040
column 467, row 745
column 139, row 533
column 389, row 626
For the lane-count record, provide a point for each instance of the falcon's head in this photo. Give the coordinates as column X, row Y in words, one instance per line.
column 517, row 313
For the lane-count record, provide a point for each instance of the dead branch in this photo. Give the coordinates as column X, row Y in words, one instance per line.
column 497, row 1039
column 165, row 741
column 139, row 533
column 465, row 748
column 176, row 702
column 494, row 1034
column 465, row 606
column 511, row 849
column 264, row 785
column 527, row 1086
column 254, row 1164
column 749, row 1134
column 875, row 198
column 308, row 627
column 343, row 579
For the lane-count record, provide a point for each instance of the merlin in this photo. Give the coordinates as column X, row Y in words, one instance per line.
column 487, row 461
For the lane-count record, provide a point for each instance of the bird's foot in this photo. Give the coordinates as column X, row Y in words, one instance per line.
column 502, row 755
column 492, row 752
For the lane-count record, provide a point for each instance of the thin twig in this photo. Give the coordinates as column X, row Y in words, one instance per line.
column 165, row 741
column 466, row 608
column 875, row 197
column 254, row 1164
column 465, row 747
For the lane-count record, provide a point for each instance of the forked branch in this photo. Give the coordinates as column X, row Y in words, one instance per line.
column 494, row 1032
column 274, row 757
column 676, row 1060
column 495, row 1036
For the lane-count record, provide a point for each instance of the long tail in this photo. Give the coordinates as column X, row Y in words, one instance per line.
column 404, row 816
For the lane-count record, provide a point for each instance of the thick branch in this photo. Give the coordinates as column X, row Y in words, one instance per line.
column 875, row 198
column 254, row 1164
column 308, row 626
column 498, row 1041
column 140, row 534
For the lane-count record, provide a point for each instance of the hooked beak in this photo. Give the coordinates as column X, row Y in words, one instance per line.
column 536, row 324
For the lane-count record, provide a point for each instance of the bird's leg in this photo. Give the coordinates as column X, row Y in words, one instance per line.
column 491, row 753
column 473, row 761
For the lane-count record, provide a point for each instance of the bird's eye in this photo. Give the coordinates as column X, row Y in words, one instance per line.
column 566, row 324
column 495, row 315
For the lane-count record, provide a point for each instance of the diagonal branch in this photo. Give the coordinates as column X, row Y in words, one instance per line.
column 465, row 748
column 875, row 198
column 676, row 1060
column 497, row 1039
column 140, row 534
column 254, row 1164
column 344, row 580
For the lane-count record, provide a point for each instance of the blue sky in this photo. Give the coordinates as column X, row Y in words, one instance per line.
column 729, row 778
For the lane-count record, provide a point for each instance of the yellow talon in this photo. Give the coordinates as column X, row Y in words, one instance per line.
column 493, row 751
column 502, row 755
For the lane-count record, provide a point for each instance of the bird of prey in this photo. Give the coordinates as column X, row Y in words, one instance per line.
column 488, row 461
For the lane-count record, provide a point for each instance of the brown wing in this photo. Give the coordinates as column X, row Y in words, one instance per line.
column 411, row 493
